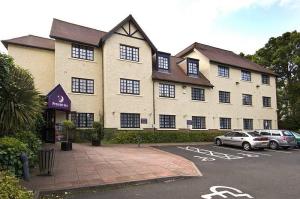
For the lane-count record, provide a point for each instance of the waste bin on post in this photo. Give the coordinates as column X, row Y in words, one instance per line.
column 46, row 161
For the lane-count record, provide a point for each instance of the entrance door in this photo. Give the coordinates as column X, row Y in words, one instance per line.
column 49, row 131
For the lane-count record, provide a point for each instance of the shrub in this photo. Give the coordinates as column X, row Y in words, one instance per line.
column 126, row 137
column 82, row 135
column 68, row 127
column 98, row 130
column 32, row 142
column 10, row 187
column 10, row 151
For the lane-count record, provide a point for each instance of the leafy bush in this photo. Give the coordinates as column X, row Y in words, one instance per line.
column 68, row 127
column 32, row 142
column 126, row 137
column 10, row 151
column 98, row 130
column 10, row 187
column 82, row 135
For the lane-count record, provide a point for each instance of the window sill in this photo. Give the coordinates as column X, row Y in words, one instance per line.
column 267, row 107
column 166, row 129
column 223, row 77
column 246, row 81
column 247, row 105
column 125, row 60
column 83, row 60
column 167, row 98
column 198, row 129
column 225, row 103
column 86, row 94
column 266, row 84
column 200, row 101
column 130, row 129
column 124, row 94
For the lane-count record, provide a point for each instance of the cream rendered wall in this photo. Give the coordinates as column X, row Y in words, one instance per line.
column 235, row 110
column 114, row 69
column 182, row 105
column 39, row 62
column 67, row 67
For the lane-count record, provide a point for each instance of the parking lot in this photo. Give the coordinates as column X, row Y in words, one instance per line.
column 227, row 173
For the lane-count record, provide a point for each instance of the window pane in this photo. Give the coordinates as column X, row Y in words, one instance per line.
column 129, row 53
column 223, row 71
column 248, row 124
column 247, row 99
column 167, row 121
column 246, row 75
column 224, row 97
column 225, row 123
column 267, row 124
column 130, row 120
column 198, row 94
column 198, row 122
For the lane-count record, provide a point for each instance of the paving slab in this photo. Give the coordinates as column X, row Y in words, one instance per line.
column 86, row 166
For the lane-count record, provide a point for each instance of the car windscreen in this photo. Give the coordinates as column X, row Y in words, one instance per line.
column 254, row 134
column 287, row 133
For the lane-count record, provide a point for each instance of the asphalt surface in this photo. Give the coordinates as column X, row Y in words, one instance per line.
column 260, row 174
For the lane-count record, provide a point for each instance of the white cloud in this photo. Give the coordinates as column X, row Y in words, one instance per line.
column 170, row 24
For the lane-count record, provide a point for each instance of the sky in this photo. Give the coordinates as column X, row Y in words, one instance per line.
column 237, row 25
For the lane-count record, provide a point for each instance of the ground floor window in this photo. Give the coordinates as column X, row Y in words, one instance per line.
column 83, row 120
column 130, row 120
column 198, row 122
column 225, row 123
column 248, row 124
column 167, row 121
column 267, row 124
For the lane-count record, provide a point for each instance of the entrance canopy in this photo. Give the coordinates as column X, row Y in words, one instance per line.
column 58, row 99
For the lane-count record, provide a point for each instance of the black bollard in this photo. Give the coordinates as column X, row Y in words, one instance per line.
column 24, row 160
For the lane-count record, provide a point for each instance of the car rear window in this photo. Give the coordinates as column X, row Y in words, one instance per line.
column 287, row 133
column 254, row 134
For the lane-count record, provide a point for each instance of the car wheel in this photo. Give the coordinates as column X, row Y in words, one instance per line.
column 247, row 146
column 218, row 142
column 274, row 145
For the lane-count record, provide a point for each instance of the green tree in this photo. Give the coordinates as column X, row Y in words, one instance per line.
column 20, row 103
column 282, row 55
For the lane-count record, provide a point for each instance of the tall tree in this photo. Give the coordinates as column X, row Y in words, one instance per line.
column 282, row 55
column 20, row 103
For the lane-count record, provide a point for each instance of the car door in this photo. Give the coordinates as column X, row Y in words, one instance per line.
column 227, row 138
column 237, row 139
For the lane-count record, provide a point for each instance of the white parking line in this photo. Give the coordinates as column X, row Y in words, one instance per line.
column 242, row 151
column 211, row 153
column 278, row 151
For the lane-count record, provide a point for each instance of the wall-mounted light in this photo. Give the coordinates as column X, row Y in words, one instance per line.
column 257, row 86
column 237, row 83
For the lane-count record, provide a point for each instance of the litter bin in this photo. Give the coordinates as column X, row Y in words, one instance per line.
column 46, row 161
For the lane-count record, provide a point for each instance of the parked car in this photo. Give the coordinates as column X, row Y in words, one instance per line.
column 247, row 140
column 297, row 136
column 279, row 138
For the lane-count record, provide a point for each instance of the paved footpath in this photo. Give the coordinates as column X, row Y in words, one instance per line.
column 86, row 166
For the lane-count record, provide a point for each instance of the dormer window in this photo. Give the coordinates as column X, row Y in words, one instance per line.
column 163, row 61
column 192, row 67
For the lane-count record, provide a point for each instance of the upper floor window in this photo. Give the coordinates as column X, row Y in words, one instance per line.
column 167, row 121
column 266, row 101
column 163, row 61
column 198, row 94
column 265, row 79
column 247, row 99
column 198, row 122
column 80, row 85
column 225, row 123
column 267, row 124
column 246, row 75
column 130, row 120
column 248, row 124
column 82, row 52
column 192, row 66
column 129, row 53
column 129, row 86
column 166, row 90
column 224, row 97
column 83, row 120
column 223, row 71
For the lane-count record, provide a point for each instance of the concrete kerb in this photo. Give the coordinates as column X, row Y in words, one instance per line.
column 104, row 187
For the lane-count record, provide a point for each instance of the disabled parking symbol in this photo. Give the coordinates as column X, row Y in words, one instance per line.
column 224, row 192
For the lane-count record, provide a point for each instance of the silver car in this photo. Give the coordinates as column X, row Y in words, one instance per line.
column 247, row 140
column 279, row 138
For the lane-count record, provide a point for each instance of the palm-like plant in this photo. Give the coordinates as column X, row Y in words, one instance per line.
column 20, row 103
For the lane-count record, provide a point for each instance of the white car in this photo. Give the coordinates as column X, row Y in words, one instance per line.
column 247, row 140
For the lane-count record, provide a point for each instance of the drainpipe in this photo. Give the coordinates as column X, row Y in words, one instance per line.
column 153, row 94
column 102, row 49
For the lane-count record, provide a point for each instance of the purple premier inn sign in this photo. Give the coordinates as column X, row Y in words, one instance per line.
column 58, row 99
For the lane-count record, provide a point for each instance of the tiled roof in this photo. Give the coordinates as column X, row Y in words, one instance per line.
column 31, row 41
column 176, row 74
column 226, row 57
column 73, row 32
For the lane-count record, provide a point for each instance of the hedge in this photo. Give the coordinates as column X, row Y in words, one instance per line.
column 10, row 187
column 133, row 137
